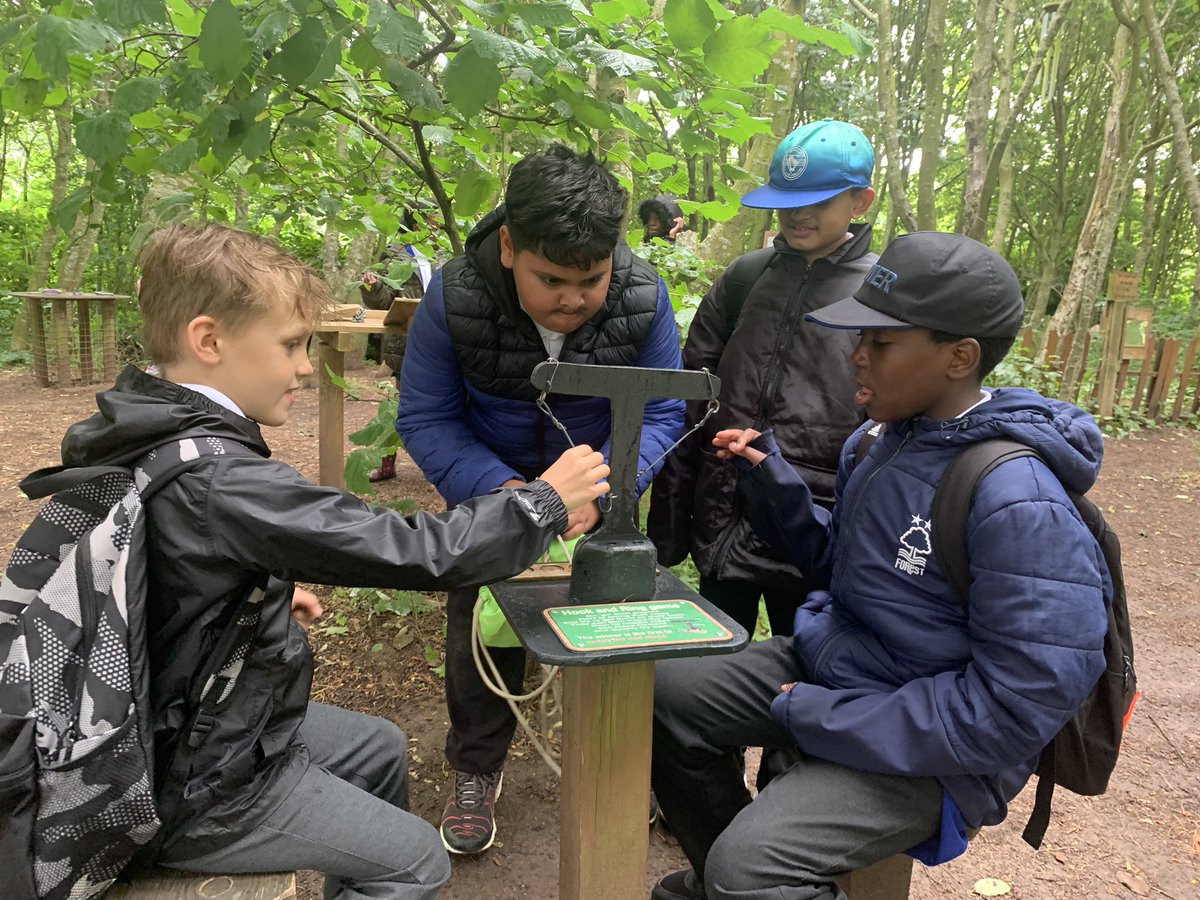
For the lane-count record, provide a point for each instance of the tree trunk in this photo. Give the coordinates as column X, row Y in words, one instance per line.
column 1099, row 226
column 975, row 125
column 888, row 102
column 1008, row 53
column 725, row 240
column 933, row 64
column 40, row 276
column 1180, row 145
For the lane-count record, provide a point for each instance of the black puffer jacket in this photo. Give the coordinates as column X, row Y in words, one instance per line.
column 225, row 524
column 497, row 343
column 777, row 371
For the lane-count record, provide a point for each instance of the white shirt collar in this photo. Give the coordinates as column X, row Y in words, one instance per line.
column 216, row 397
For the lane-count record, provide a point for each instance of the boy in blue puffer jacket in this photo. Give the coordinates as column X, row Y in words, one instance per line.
column 913, row 721
column 545, row 275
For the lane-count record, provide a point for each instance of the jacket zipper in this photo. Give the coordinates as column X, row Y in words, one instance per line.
column 775, row 373
column 772, row 384
column 848, row 527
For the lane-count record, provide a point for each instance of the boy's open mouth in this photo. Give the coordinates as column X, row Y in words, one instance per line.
column 863, row 395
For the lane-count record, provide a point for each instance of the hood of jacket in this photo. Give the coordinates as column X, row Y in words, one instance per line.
column 141, row 412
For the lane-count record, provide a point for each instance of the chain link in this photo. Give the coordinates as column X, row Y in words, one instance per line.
column 713, row 405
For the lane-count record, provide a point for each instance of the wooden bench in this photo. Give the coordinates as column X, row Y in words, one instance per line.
column 888, row 879
column 167, row 884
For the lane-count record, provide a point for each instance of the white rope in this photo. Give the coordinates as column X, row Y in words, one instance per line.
column 494, row 680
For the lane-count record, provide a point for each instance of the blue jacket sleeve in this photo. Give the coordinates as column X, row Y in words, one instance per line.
column 663, row 420
column 1036, row 626
column 779, row 507
column 431, row 417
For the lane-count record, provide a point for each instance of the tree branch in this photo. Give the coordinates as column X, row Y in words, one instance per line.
column 435, row 184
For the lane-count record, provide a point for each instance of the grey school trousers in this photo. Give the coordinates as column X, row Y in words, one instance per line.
column 346, row 817
column 811, row 824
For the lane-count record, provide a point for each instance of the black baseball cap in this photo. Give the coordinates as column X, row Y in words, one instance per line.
column 932, row 279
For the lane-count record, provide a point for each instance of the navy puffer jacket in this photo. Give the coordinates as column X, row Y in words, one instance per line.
column 902, row 679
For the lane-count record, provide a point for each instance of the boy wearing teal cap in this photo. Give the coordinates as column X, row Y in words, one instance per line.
column 776, row 370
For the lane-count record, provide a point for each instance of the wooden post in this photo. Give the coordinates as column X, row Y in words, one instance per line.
column 603, row 838
column 62, row 340
column 1051, row 345
column 1027, row 341
column 1185, row 378
column 331, row 434
column 1163, row 377
column 37, row 340
column 84, row 319
column 888, row 879
column 108, row 337
column 166, row 884
column 1147, row 370
column 1109, row 388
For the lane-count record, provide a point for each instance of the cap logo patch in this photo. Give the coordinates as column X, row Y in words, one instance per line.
column 795, row 161
column 880, row 278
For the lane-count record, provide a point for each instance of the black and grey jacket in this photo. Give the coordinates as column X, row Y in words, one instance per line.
column 229, row 523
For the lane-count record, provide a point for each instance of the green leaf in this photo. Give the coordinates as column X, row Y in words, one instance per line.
column 413, row 88
column 544, row 15
column 473, row 187
column 298, row 56
column 503, row 51
column 795, row 26
column 56, row 38
column 472, row 82
column 689, row 23
column 126, row 15
column 656, row 160
column 676, row 184
column 177, row 159
column 620, row 61
column 104, row 137
column 173, row 206
column 740, row 50
column 717, row 211
column 256, row 140
column 437, row 135
column 400, row 35
column 65, row 214
column 862, row 46
column 224, row 50
column 136, row 95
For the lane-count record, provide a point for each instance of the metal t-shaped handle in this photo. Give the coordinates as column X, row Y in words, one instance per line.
column 616, row 561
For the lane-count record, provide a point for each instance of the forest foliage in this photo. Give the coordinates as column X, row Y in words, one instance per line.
column 1052, row 131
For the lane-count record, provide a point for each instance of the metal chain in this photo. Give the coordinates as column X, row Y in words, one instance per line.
column 713, row 405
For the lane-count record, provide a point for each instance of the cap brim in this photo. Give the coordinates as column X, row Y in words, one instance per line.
column 854, row 316
column 769, row 197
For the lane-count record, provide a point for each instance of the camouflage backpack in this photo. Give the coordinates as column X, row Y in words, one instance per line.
column 76, row 745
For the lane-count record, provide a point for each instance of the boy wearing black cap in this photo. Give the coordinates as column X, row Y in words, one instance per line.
column 913, row 720
column 776, row 372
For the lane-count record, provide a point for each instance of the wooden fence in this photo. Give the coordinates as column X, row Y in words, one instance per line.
column 1130, row 368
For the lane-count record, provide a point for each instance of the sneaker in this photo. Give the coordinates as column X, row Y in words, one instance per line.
column 681, row 885
column 469, row 822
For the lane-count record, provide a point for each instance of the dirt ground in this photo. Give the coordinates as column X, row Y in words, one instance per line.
column 1141, row 839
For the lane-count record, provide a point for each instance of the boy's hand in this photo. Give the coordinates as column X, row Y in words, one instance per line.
column 578, row 476
column 369, row 279
column 306, row 608
column 582, row 520
column 736, row 442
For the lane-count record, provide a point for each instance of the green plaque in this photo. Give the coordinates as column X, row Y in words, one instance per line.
column 644, row 623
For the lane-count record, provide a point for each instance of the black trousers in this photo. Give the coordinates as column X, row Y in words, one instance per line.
column 811, row 825
column 740, row 600
column 481, row 724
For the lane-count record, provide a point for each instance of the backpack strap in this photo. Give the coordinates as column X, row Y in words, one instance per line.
column 952, row 505
column 742, row 274
column 867, row 441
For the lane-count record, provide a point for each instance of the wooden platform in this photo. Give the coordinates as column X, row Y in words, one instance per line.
column 888, row 879
column 168, row 884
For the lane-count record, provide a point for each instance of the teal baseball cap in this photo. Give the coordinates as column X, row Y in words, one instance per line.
column 813, row 163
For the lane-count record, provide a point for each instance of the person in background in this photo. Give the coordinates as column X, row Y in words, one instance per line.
column 378, row 294
column 776, row 371
column 661, row 217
